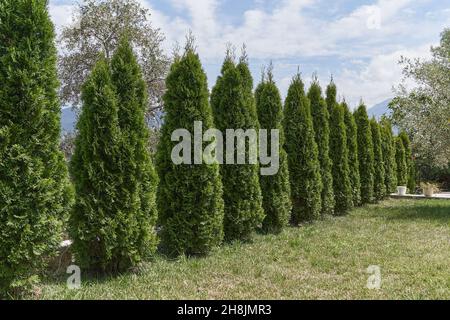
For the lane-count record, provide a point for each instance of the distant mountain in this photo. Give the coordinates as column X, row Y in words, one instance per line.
column 68, row 120
column 380, row 109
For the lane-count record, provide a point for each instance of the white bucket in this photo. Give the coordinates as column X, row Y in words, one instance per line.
column 401, row 191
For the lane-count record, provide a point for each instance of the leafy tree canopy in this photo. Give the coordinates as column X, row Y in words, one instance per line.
column 424, row 111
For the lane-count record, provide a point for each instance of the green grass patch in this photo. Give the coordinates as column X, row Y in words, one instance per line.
column 408, row 240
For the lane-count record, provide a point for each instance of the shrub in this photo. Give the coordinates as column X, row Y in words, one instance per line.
column 379, row 176
column 338, row 148
column 242, row 193
column 388, row 147
column 365, row 154
column 353, row 161
column 320, row 117
column 275, row 189
column 35, row 193
column 303, row 155
column 190, row 203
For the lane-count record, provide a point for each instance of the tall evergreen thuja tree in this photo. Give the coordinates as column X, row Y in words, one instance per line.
column 331, row 96
column 96, row 173
column 320, row 117
column 388, row 147
column 341, row 171
column 365, row 154
column 276, row 189
column 136, row 225
column 379, row 186
column 35, row 193
column 242, row 193
column 411, row 184
column 247, row 80
column 402, row 165
column 353, row 161
column 303, row 155
column 190, row 203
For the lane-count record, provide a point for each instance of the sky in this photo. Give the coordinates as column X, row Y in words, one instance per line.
column 357, row 42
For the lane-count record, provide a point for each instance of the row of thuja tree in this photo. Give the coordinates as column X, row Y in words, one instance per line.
column 330, row 159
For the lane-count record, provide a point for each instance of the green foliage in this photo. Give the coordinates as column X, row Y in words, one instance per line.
column 190, row 203
column 35, row 193
column 95, row 170
column 365, row 154
column 113, row 222
column 411, row 183
column 353, row 160
column 424, row 110
column 320, row 117
column 388, row 149
column 303, row 155
column 341, row 171
column 136, row 236
column 275, row 189
column 331, row 97
column 402, row 165
column 247, row 79
column 233, row 109
column 379, row 186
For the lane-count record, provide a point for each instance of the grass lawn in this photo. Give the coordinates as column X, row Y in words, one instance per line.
column 409, row 240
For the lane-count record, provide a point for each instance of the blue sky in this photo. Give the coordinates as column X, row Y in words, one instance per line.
column 358, row 42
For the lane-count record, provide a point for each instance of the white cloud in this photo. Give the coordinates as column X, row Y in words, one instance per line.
column 374, row 81
column 369, row 45
column 61, row 14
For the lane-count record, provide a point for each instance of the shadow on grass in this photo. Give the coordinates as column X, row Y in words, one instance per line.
column 427, row 210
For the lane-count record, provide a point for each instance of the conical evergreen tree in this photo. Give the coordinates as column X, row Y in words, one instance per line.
column 331, row 96
column 35, row 193
column 320, row 117
column 379, row 173
column 190, row 203
column 242, row 192
column 341, row 171
column 95, row 168
column 247, row 79
column 390, row 165
column 365, row 154
column 411, row 184
column 276, row 189
column 136, row 232
column 402, row 165
column 353, row 161
column 303, row 155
